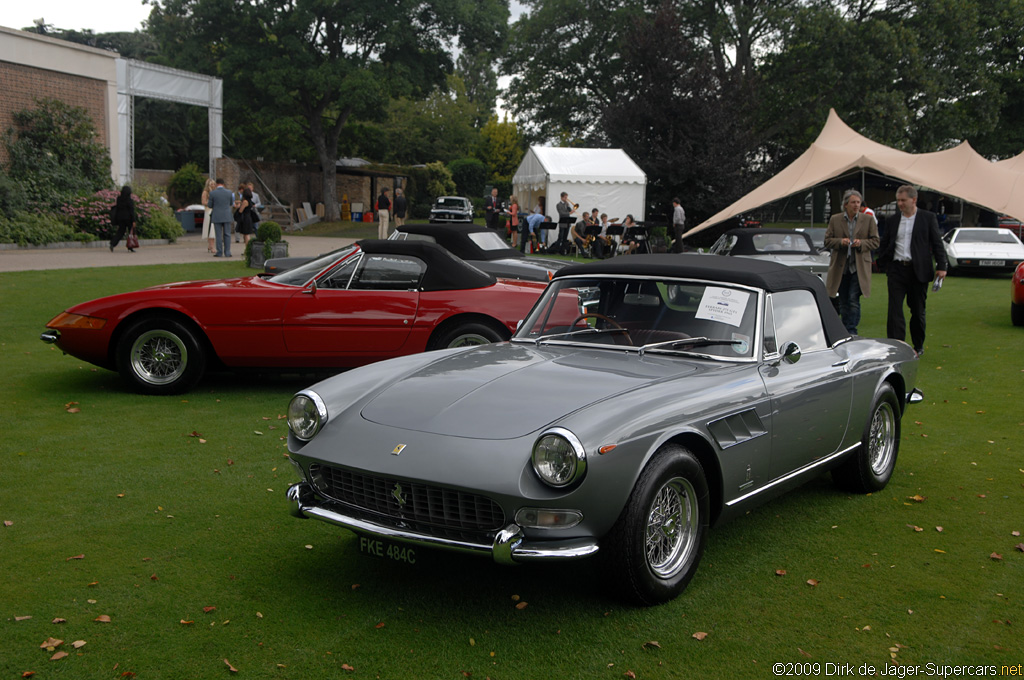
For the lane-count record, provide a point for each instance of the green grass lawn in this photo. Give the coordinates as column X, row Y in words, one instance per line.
column 168, row 516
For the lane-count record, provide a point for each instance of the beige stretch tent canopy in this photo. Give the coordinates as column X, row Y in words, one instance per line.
column 959, row 172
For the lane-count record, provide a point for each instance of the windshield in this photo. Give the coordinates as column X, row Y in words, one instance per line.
column 488, row 240
column 646, row 314
column 793, row 243
column 984, row 236
column 451, row 203
column 301, row 275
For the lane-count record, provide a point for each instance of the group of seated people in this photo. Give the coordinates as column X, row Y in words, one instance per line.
column 590, row 234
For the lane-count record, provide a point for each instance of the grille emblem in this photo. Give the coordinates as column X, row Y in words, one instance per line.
column 396, row 493
column 398, row 450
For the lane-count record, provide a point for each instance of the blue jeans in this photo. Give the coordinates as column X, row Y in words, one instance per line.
column 222, row 236
column 849, row 301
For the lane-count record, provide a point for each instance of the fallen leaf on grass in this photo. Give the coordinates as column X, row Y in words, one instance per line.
column 803, row 652
column 50, row 644
column 102, row 618
column 1015, row 533
column 521, row 605
column 78, row 644
column 76, row 557
column 22, row 618
column 28, row 674
column 8, row 523
column 651, row 644
column 57, row 620
column 380, row 625
column 813, row 582
column 630, row 674
column 996, row 557
column 700, row 635
column 186, row 623
column 1020, row 547
column 780, row 572
column 917, row 498
column 207, row 610
column 943, row 552
column 193, row 433
column 72, row 407
column 58, row 656
column 915, row 527
column 939, row 529
column 346, row 667
column 230, row 667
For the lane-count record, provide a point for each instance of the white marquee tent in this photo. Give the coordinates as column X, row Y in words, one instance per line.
column 959, row 172
column 606, row 179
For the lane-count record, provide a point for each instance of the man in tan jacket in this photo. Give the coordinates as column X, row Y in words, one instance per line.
column 851, row 236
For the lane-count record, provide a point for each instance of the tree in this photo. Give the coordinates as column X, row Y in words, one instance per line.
column 469, row 175
column 501, row 148
column 687, row 131
column 324, row 63
column 55, row 153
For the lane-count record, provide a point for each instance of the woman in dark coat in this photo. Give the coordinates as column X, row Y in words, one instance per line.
column 246, row 220
column 123, row 216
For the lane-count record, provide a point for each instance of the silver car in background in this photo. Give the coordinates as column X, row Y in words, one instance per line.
column 643, row 400
column 786, row 246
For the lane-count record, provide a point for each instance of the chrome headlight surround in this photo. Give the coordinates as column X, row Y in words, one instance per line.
column 307, row 415
column 559, row 458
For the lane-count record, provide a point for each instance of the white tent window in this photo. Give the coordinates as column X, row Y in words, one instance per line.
column 141, row 79
column 606, row 179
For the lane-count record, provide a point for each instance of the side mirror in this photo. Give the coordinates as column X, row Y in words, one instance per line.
column 312, row 288
column 791, row 353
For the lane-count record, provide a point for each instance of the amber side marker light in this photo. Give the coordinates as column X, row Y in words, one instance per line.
column 66, row 320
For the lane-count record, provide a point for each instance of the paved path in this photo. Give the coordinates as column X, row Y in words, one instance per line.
column 187, row 249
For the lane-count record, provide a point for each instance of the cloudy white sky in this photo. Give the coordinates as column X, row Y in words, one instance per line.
column 106, row 17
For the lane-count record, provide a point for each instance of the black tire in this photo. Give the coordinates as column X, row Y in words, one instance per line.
column 160, row 356
column 871, row 465
column 1017, row 314
column 465, row 335
column 654, row 548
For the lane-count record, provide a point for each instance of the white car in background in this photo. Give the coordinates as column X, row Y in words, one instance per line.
column 983, row 249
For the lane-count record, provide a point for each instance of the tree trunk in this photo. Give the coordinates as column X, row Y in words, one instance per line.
column 326, row 144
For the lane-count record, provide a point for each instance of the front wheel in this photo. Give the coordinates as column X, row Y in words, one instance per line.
column 871, row 466
column 654, row 548
column 160, row 356
column 1017, row 314
column 466, row 335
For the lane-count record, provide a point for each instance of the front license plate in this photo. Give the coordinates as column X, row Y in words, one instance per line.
column 387, row 550
column 991, row 263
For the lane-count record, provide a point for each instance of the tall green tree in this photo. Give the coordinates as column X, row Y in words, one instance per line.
column 501, row 148
column 324, row 62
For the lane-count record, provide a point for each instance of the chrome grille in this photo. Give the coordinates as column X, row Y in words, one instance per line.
column 405, row 501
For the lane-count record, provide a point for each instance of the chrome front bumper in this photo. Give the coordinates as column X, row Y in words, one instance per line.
column 509, row 546
column 49, row 336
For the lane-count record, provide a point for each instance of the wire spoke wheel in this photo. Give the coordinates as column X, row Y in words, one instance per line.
column 159, row 357
column 882, row 438
column 671, row 533
column 469, row 340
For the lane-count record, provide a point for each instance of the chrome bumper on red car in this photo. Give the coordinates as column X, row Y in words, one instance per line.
column 508, row 547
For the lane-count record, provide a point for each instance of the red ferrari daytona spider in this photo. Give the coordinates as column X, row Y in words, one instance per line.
column 372, row 301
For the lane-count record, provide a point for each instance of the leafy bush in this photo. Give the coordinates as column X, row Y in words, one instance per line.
column 12, row 196
column 440, row 182
column 186, row 185
column 469, row 175
column 91, row 215
column 269, row 232
column 35, row 228
column 54, row 153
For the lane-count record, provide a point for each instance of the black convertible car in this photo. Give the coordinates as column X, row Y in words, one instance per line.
column 479, row 246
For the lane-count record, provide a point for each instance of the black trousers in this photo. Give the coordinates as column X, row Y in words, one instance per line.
column 904, row 285
column 121, row 229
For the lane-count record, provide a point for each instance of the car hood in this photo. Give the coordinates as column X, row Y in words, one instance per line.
column 244, row 282
column 996, row 251
column 508, row 390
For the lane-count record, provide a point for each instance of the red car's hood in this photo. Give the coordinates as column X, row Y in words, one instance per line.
column 506, row 391
column 243, row 282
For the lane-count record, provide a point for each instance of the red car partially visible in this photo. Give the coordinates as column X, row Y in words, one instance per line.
column 372, row 301
column 1017, row 296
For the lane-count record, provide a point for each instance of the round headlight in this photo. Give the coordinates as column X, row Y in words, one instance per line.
column 307, row 415
column 559, row 458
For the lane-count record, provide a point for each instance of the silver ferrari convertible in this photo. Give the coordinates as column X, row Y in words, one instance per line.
column 643, row 400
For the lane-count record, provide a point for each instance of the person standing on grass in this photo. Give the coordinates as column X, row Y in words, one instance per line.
column 383, row 213
column 399, row 208
column 911, row 241
column 851, row 236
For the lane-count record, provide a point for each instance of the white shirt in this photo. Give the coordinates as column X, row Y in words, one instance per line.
column 903, row 236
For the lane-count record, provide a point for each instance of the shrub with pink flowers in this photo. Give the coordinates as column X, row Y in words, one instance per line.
column 91, row 215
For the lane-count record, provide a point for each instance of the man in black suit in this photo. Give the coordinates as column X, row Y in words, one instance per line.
column 910, row 242
column 492, row 207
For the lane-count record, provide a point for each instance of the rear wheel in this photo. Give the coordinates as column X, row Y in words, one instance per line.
column 160, row 356
column 654, row 548
column 1017, row 314
column 466, row 335
column 871, row 466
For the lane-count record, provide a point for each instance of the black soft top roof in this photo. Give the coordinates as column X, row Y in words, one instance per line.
column 770, row 276
column 455, row 237
column 444, row 270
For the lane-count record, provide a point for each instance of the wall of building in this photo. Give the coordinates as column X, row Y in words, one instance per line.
column 35, row 66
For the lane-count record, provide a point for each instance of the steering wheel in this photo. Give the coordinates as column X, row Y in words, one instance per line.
column 600, row 317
